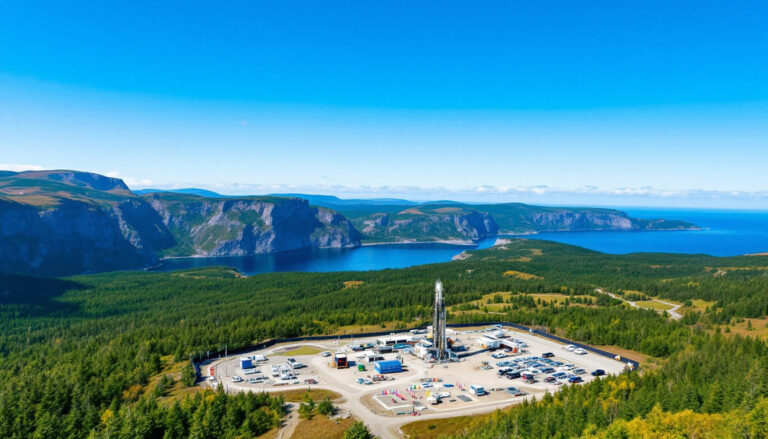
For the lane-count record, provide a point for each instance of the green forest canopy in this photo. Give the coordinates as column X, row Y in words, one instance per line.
column 71, row 349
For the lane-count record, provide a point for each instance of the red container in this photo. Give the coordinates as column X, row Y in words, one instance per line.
column 212, row 371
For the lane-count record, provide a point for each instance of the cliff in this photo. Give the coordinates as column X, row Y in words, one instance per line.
column 461, row 222
column 524, row 218
column 76, row 237
column 250, row 225
column 68, row 222
column 428, row 224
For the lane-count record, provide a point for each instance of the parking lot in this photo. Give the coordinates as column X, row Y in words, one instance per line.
column 482, row 380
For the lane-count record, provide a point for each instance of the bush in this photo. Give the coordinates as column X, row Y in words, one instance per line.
column 307, row 409
column 358, row 430
column 325, row 407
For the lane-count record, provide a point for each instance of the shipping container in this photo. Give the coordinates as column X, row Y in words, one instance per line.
column 391, row 366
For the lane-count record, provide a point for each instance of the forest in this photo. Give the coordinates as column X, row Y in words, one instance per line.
column 92, row 355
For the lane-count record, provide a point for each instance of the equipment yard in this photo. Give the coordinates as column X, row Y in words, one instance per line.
column 492, row 368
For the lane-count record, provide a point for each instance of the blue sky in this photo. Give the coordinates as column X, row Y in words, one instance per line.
column 576, row 102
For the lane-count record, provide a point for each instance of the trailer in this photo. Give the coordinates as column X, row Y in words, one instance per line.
column 340, row 361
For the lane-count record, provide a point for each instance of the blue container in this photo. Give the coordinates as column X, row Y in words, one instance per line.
column 246, row 363
column 390, row 366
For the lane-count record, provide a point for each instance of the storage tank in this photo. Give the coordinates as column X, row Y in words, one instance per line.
column 246, row 363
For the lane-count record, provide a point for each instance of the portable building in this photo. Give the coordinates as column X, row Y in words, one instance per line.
column 246, row 363
column 488, row 342
column 371, row 357
column 394, row 339
column 390, row 366
column 340, row 361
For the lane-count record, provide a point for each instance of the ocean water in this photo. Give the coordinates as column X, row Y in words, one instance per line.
column 724, row 233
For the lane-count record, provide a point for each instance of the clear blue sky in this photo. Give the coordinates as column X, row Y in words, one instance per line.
column 579, row 102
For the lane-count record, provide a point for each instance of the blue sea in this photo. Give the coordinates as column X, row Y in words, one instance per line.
column 724, row 233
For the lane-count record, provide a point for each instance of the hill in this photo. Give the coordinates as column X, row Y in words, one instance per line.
column 66, row 222
column 470, row 222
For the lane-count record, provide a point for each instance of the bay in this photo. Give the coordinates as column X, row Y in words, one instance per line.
column 724, row 233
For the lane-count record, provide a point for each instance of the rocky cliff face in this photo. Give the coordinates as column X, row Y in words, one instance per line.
column 429, row 225
column 568, row 220
column 69, row 222
column 252, row 225
column 444, row 222
column 77, row 237
column 565, row 220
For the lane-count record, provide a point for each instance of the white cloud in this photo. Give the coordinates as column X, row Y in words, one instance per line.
column 480, row 191
column 19, row 168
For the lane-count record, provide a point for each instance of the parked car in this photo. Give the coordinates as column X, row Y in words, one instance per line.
column 575, row 379
column 547, row 370
column 569, row 347
column 598, row 372
column 550, row 380
column 237, row 379
column 513, row 374
column 579, row 371
column 580, row 351
column 547, row 355
column 528, row 378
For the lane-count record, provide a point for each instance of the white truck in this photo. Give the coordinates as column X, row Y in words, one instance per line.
column 477, row 390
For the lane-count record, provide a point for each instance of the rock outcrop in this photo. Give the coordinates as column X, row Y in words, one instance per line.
column 251, row 225
column 420, row 224
column 76, row 237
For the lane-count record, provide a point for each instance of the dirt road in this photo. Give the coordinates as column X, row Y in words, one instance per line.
column 672, row 312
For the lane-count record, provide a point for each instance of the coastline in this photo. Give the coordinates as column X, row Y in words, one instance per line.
column 442, row 241
column 454, row 242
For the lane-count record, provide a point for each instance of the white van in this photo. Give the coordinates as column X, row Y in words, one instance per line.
column 477, row 390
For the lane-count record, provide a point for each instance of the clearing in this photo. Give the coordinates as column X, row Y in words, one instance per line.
column 521, row 275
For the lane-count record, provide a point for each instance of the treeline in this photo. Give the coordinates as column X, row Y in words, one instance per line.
column 210, row 415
